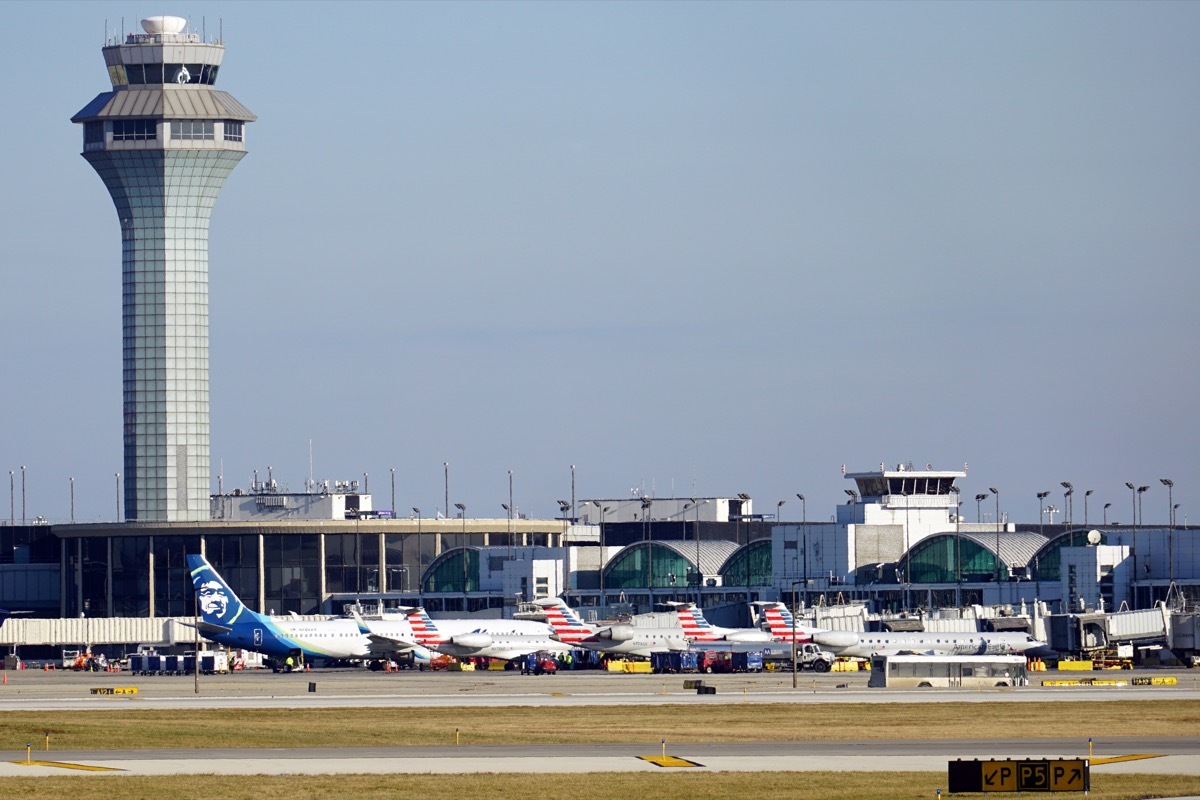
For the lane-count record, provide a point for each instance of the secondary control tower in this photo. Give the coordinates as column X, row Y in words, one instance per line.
column 163, row 141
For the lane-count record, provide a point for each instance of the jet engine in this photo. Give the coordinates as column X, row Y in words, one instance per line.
column 617, row 633
column 474, row 640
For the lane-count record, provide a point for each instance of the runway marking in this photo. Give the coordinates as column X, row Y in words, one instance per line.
column 67, row 765
column 1119, row 759
column 669, row 761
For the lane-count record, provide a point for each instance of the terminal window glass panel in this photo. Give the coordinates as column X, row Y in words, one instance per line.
column 131, row 576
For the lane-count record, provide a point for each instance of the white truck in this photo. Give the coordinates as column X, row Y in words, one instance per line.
column 809, row 656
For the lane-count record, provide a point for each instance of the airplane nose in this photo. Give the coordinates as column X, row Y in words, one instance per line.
column 1041, row 651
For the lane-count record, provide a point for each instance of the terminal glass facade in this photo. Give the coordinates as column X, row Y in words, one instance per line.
column 749, row 566
column 449, row 573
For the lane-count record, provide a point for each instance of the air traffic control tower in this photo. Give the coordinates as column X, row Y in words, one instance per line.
column 163, row 141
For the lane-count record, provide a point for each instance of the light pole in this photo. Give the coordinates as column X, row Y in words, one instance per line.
column 996, row 494
column 22, row 494
column 117, row 475
column 12, row 501
column 509, row 508
column 446, row 474
column 1106, row 507
column 72, row 498
column 1133, row 507
column 572, row 491
column 1041, row 496
column 393, row 471
column 795, row 611
column 366, row 484
column 804, row 543
column 1069, row 502
column 1141, row 517
column 420, row 549
column 1086, row 495
column 979, row 498
column 779, row 509
column 462, row 508
column 1170, row 484
column 648, row 536
column 603, row 511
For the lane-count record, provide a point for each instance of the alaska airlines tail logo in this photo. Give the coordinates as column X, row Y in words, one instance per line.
column 218, row 604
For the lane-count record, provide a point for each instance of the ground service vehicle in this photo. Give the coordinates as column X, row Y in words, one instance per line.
column 809, row 656
column 923, row 672
column 675, row 661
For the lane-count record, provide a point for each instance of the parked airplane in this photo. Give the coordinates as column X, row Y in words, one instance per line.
column 226, row 620
column 468, row 638
column 778, row 619
column 699, row 629
column 866, row 644
column 619, row 639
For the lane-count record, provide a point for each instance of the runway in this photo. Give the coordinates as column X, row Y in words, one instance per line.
column 1172, row 755
column 70, row 691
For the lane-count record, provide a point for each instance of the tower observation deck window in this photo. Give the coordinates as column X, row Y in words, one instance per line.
column 125, row 130
column 233, row 130
column 142, row 74
column 93, row 133
column 192, row 129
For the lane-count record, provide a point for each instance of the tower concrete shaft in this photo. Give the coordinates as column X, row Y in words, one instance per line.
column 164, row 141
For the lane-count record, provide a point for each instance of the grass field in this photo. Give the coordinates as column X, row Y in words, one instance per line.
column 138, row 729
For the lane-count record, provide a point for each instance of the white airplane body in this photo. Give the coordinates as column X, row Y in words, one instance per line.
column 468, row 638
column 621, row 639
column 862, row 644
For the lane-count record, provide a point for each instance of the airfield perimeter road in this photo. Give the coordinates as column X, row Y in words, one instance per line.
column 37, row 690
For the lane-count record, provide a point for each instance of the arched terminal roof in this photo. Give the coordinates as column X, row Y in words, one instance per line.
column 654, row 563
column 749, row 565
column 448, row 573
column 935, row 559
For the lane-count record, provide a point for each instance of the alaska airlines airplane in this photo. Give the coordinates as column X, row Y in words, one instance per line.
column 468, row 638
column 226, row 620
column 865, row 644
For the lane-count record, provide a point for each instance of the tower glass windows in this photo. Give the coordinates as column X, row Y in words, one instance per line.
column 192, row 130
column 134, row 130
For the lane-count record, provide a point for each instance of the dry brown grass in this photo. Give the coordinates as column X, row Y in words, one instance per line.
column 599, row 786
column 138, row 729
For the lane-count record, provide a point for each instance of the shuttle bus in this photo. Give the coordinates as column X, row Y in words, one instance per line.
column 947, row 672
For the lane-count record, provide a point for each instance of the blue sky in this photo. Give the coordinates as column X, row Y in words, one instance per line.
column 700, row 248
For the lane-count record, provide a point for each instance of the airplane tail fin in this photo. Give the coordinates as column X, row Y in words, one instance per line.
column 694, row 625
column 424, row 629
column 782, row 624
column 567, row 625
column 221, row 610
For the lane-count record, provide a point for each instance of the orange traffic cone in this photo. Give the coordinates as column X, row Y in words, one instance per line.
column 6, row 677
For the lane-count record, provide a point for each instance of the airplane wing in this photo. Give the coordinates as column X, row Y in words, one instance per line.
column 381, row 644
column 207, row 628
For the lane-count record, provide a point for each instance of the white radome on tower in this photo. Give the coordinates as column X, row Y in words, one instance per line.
column 164, row 24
